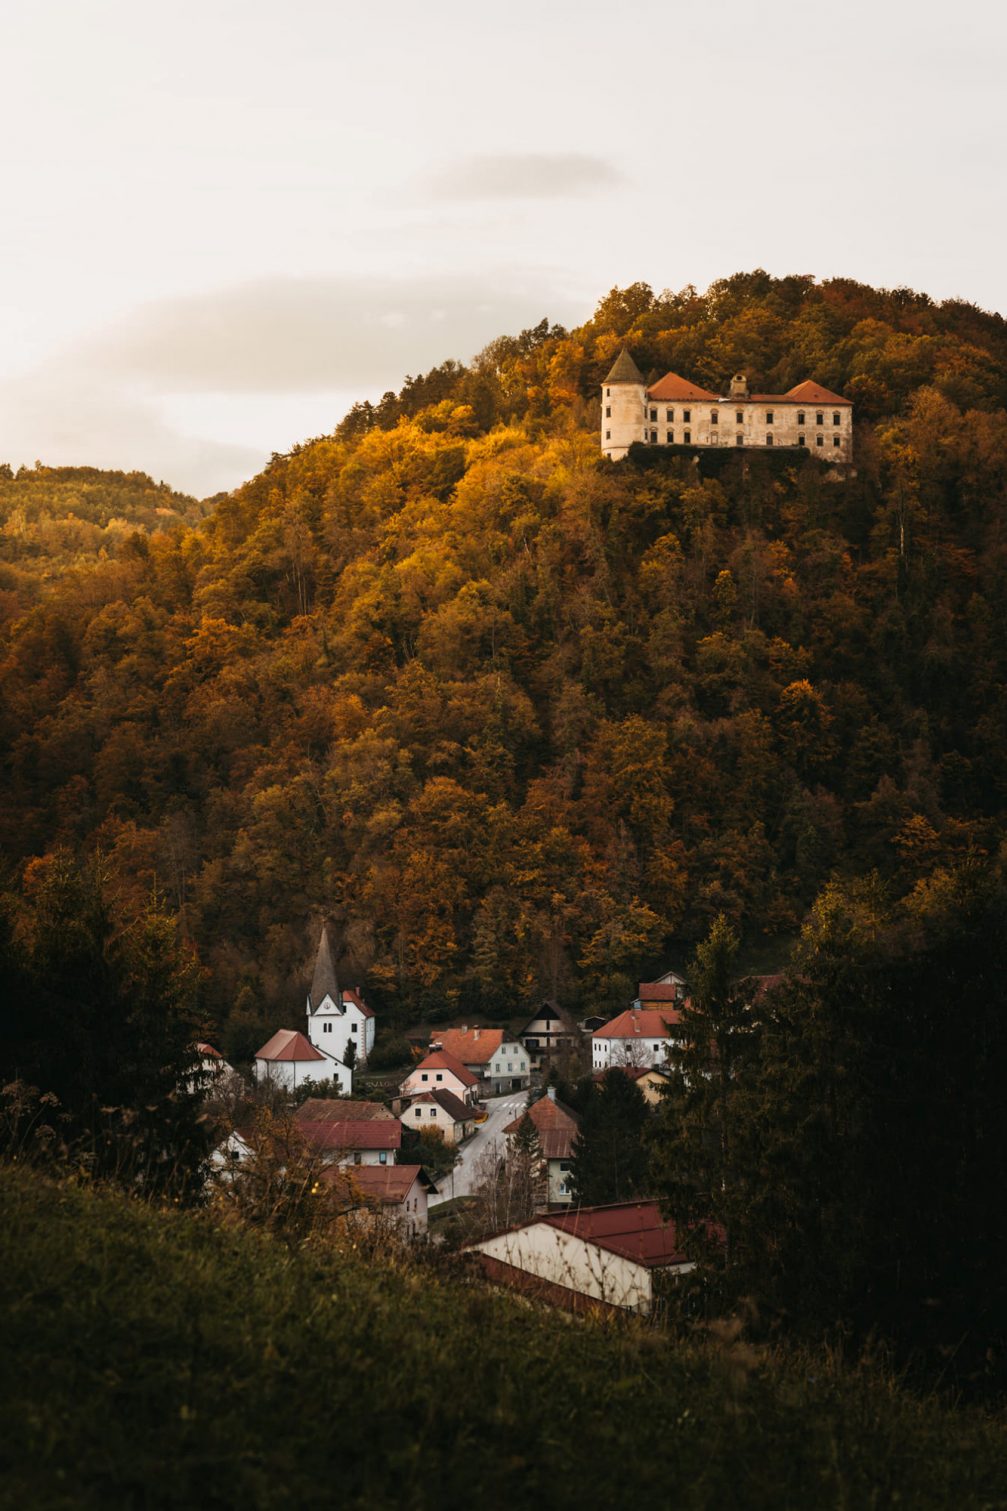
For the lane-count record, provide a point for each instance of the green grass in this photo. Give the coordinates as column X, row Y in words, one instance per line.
column 154, row 1359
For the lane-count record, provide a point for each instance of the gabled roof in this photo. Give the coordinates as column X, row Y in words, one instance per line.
column 624, row 370
column 634, row 1072
column 440, row 1059
column 455, row 1108
column 387, row 1184
column 658, row 991
column 555, row 1125
column 336, row 1110
column 352, row 994
column 633, row 1229
column 549, row 1013
column 323, row 981
column 288, row 1044
column 671, row 386
column 208, row 1051
column 472, row 1046
column 640, row 1023
column 352, row 1133
column 807, row 392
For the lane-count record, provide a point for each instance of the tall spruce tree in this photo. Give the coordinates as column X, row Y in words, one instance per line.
column 610, row 1154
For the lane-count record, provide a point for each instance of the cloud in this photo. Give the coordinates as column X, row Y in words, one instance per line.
column 530, row 175
column 286, row 335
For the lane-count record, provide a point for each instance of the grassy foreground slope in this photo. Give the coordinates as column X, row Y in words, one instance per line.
column 154, row 1359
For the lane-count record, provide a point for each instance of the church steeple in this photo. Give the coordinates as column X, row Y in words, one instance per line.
column 323, row 980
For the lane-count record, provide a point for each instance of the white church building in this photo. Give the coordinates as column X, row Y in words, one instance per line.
column 337, row 1017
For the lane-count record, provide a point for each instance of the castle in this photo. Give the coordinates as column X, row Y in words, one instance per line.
column 675, row 412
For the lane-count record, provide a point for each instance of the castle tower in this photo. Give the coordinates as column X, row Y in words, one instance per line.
column 623, row 407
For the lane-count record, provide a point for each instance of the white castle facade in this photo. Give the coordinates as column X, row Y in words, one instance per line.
column 675, row 412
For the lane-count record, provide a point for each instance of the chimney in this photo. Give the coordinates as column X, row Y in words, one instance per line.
column 475, row 1033
column 550, row 1092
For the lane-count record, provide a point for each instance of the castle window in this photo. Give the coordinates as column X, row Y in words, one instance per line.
column 653, row 437
column 608, row 411
column 769, row 440
column 739, row 440
column 819, row 418
column 653, row 414
column 687, row 438
column 835, row 440
column 670, row 416
column 769, row 417
column 687, row 415
column 800, row 417
column 739, row 417
column 821, row 440
column 835, row 419
column 608, row 393
column 608, row 435
column 714, row 417
column 671, row 438
column 801, row 441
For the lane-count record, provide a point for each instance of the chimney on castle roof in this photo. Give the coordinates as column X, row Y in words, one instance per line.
column 739, row 386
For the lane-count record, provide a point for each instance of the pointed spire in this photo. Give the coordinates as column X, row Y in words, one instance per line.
column 624, row 370
column 324, row 979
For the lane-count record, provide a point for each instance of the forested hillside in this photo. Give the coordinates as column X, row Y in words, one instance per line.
column 524, row 721
column 55, row 518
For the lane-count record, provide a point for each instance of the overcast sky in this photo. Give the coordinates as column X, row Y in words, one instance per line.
column 223, row 222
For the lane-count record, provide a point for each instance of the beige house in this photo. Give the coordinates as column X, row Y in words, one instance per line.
column 453, row 1119
column 395, row 1192
column 556, row 1127
column 592, row 1257
column 440, row 1071
column 677, row 412
column 650, row 1079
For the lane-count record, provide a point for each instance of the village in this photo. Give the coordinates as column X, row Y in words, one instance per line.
column 477, row 1116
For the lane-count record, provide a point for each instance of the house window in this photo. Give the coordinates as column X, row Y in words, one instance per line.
column 326, row 1028
column 671, row 438
column 608, row 411
column 820, row 440
column 714, row 417
column 653, row 414
column 835, row 440
column 739, row 417
column 383, row 1157
column 424, row 1076
column 354, row 1027
column 438, row 1077
column 769, row 440
column 835, row 419
column 687, row 416
column 687, row 437
column 670, row 416
column 769, row 417
column 564, row 1164
column 801, row 441
column 433, row 1112
column 819, row 418
column 800, row 417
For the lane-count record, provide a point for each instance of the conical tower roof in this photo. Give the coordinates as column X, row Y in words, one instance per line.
column 624, row 370
column 324, row 978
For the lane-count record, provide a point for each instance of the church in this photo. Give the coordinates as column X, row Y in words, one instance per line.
column 675, row 412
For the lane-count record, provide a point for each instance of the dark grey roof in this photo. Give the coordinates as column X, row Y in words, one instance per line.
column 624, row 370
column 324, row 979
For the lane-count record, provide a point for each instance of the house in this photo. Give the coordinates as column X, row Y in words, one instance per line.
column 289, row 1060
column 232, row 1151
column 677, row 412
column 345, row 1137
column 587, row 1258
column 340, row 1023
column 212, row 1075
column 651, row 1079
column 657, row 993
column 396, row 1192
column 556, row 1127
column 500, row 1061
column 639, row 1036
column 440, row 1071
column 550, row 1036
column 452, row 1118
column 672, row 978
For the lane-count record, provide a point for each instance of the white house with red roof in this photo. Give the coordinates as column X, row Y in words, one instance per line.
column 556, row 1126
column 289, row 1060
column 499, row 1060
column 676, row 412
column 440, row 1071
column 395, row 1192
column 338, row 1017
column 639, row 1036
column 590, row 1257
column 441, row 1110
column 350, row 1133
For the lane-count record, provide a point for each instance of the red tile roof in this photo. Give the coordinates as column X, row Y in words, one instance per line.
column 555, row 1124
column 208, row 1049
column 802, row 393
column 352, row 994
column 440, row 1059
column 640, row 1023
column 634, row 1230
column 288, row 1044
column 388, row 1184
column 658, row 991
column 352, row 1133
column 337, row 1110
column 671, row 386
column 472, row 1046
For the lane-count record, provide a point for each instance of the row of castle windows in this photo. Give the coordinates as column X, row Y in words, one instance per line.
column 739, row 416
column 739, row 440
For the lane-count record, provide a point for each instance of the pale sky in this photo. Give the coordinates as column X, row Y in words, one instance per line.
column 223, row 222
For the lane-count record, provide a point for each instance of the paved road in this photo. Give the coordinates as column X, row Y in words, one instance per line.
column 488, row 1136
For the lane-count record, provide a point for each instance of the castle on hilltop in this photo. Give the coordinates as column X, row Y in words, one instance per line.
column 675, row 412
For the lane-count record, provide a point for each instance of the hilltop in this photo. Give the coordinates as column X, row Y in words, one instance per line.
column 524, row 721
